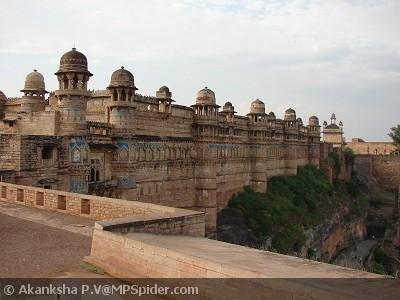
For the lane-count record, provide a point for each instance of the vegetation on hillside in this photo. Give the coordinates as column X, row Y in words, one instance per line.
column 295, row 203
column 380, row 261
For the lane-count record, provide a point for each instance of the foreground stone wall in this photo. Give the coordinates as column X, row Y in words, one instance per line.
column 140, row 216
column 159, row 256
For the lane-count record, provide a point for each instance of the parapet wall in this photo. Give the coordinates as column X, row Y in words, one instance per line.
column 126, row 216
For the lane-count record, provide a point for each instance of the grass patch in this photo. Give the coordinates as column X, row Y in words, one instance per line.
column 91, row 268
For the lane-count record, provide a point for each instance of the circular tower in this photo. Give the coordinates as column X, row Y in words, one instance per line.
column 34, row 93
column 72, row 94
column 122, row 89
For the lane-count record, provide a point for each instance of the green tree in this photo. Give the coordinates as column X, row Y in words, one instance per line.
column 395, row 134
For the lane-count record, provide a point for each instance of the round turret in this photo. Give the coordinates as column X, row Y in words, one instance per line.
column 122, row 78
column 205, row 97
column 257, row 107
column 290, row 115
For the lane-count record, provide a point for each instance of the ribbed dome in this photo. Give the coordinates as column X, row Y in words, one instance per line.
column 122, row 78
column 34, row 81
column 257, row 107
column 313, row 121
column 205, row 96
column 2, row 96
column 290, row 114
column 74, row 61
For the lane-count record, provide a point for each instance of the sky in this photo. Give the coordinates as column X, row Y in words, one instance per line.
column 315, row 56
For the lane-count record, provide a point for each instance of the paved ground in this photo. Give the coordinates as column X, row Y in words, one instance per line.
column 39, row 243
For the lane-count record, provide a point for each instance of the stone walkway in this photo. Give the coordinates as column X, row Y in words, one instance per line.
column 39, row 243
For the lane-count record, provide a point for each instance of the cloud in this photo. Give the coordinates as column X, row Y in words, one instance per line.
column 316, row 56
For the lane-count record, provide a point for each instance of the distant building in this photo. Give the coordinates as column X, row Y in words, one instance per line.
column 333, row 133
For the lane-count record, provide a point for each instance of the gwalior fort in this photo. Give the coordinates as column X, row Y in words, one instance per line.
column 138, row 186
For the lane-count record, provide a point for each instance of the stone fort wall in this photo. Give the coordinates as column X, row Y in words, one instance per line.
column 384, row 169
column 118, row 143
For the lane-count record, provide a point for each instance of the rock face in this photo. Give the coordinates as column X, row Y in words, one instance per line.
column 328, row 239
column 323, row 242
column 232, row 228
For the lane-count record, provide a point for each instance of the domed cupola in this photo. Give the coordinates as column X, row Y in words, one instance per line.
column 164, row 97
column 73, row 72
column 122, row 86
column 257, row 107
column 73, row 61
column 206, row 104
column 313, row 121
column 34, row 93
column 122, row 78
column 122, row 89
column 205, row 97
column 228, row 107
column 257, row 111
column 163, row 93
column 290, row 115
column 34, row 84
column 228, row 111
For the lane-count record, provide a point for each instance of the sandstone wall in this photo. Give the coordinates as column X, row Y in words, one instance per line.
column 97, row 208
column 384, row 169
column 371, row 148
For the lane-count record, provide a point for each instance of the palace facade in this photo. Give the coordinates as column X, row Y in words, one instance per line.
column 116, row 142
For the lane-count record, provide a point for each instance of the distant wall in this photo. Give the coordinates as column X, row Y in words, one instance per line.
column 384, row 169
column 371, row 148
